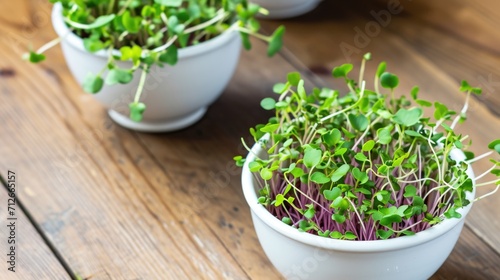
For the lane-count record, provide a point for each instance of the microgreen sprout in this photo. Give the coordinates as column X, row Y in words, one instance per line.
column 366, row 165
column 150, row 32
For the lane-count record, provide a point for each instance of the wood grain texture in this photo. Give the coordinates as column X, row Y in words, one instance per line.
column 471, row 259
column 124, row 205
column 458, row 38
column 33, row 258
column 107, row 218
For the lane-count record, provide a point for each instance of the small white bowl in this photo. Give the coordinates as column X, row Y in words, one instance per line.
column 299, row 255
column 175, row 96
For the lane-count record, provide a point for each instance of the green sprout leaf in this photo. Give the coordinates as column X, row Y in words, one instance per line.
column 276, row 41
column 340, row 172
column 309, row 214
column 332, row 137
column 319, row 178
column 34, row 57
column 361, row 157
column 384, row 135
column 312, row 157
column 294, row 78
column 414, row 92
column 268, row 103
column 118, row 76
column 452, row 213
column 359, row 122
column 384, row 114
column 339, row 218
column 381, row 69
column 423, row 103
column 398, row 161
column 465, row 86
column 253, row 9
column 391, row 215
column 131, row 53
column 99, row 22
column 441, row 110
column 239, row 161
column 254, row 166
column 287, row 220
column 378, row 105
column 389, row 80
column 269, row 128
column 266, row 174
column 170, row 56
column 93, row 44
column 132, row 24
column 297, row 172
column 368, row 146
column 92, row 83
column 137, row 111
column 245, row 39
column 408, row 117
column 280, row 198
column 410, row 191
column 413, row 133
column 359, row 175
column 350, row 235
column 324, row 234
column 169, row 3
column 477, row 91
column 332, row 194
column 342, row 71
column 279, row 88
column 495, row 145
column 305, row 225
column 340, row 152
column 301, row 89
column 384, row 234
column 390, row 219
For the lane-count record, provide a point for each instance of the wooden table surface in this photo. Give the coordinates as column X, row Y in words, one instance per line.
column 97, row 201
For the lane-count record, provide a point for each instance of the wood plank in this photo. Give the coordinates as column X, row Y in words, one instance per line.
column 459, row 37
column 33, row 258
column 17, row 14
column 471, row 259
column 470, row 31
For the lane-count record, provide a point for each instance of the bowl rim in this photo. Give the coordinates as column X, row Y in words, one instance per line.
column 249, row 192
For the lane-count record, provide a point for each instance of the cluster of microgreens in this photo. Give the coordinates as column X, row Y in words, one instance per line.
column 366, row 165
column 149, row 32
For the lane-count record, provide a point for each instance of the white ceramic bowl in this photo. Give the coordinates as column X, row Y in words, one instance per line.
column 299, row 255
column 175, row 96
column 279, row 9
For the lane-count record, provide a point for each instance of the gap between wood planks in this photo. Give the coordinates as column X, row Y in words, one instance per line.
column 40, row 232
column 162, row 167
